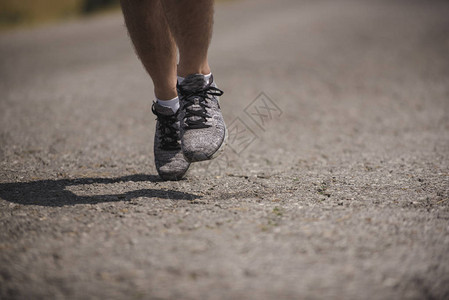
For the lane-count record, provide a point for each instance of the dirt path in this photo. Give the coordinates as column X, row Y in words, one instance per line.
column 335, row 184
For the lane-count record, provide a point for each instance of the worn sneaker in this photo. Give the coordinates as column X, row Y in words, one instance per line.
column 168, row 157
column 203, row 130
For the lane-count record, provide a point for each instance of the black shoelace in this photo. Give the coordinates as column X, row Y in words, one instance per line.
column 168, row 129
column 197, row 97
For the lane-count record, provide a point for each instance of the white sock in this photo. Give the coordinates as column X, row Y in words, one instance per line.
column 207, row 77
column 172, row 103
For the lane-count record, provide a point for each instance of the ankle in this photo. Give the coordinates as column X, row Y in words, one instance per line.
column 184, row 71
column 166, row 93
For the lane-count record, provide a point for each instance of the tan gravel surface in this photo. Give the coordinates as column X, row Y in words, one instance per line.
column 335, row 183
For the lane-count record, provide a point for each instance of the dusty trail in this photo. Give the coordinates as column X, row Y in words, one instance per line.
column 342, row 191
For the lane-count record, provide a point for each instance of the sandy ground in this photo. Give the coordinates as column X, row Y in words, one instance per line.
column 335, row 183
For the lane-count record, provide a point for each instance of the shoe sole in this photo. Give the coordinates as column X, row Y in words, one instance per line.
column 172, row 177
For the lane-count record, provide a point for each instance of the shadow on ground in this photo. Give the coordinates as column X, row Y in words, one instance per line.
column 55, row 193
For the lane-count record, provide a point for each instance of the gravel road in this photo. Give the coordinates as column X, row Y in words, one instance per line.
column 335, row 183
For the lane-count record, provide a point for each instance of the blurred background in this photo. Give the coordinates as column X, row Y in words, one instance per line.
column 25, row 13
column 344, row 196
